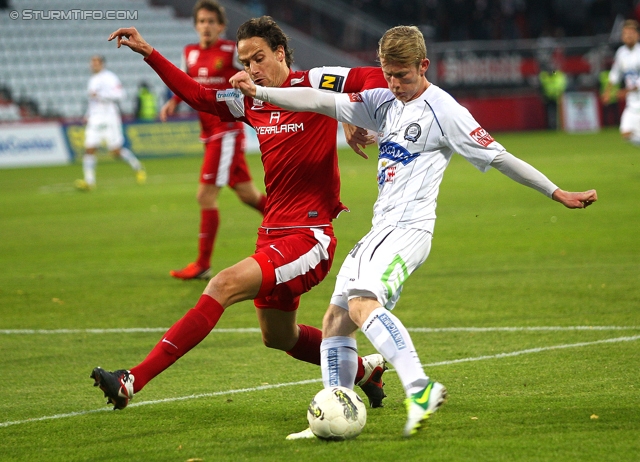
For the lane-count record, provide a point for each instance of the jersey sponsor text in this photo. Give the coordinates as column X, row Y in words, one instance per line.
column 275, row 129
column 481, row 136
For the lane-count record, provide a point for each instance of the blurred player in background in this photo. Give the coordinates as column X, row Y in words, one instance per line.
column 419, row 126
column 104, row 125
column 626, row 72
column 211, row 62
column 296, row 244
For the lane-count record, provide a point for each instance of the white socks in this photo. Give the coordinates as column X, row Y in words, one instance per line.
column 130, row 158
column 387, row 333
column 89, row 168
column 339, row 361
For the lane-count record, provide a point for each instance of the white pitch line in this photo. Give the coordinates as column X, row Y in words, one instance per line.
column 253, row 330
column 306, row 382
column 132, row 330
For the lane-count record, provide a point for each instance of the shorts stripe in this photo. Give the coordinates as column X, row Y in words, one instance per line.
column 305, row 262
column 227, row 150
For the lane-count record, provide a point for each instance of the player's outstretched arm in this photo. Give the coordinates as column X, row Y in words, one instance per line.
column 575, row 200
column 130, row 37
column 523, row 173
column 198, row 97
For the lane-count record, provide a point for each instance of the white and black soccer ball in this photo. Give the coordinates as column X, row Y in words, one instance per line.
column 336, row 413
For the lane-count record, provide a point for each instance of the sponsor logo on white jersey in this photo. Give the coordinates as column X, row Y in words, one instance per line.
column 393, row 151
column 413, row 132
column 481, row 136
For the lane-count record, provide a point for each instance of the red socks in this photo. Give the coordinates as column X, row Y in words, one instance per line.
column 194, row 326
column 209, row 221
column 307, row 348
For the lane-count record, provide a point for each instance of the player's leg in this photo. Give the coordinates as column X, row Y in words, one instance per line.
column 239, row 282
column 89, row 160
column 630, row 126
column 339, row 348
column 207, row 197
column 214, row 175
column 115, row 144
column 294, row 261
column 385, row 258
column 341, row 365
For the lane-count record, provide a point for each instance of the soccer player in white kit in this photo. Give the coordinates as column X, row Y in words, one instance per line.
column 419, row 128
column 104, row 124
column 626, row 71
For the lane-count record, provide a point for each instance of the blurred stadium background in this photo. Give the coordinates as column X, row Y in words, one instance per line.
column 488, row 53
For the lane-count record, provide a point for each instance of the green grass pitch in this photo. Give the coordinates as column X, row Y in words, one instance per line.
column 561, row 385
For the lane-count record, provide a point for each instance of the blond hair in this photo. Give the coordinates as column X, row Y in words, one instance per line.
column 630, row 23
column 402, row 45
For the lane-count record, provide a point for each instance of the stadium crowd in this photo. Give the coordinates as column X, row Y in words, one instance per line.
column 454, row 20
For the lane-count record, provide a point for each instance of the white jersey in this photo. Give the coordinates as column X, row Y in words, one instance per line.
column 105, row 91
column 626, row 71
column 416, row 141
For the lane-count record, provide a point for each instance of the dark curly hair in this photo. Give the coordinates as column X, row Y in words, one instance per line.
column 266, row 28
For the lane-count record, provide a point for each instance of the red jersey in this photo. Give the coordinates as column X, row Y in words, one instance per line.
column 212, row 67
column 299, row 149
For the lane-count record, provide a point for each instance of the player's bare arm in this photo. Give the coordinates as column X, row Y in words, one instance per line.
column 130, row 37
column 575, row 200
column 168, row 109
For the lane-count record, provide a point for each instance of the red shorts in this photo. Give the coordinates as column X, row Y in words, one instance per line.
column 224, row 163
column 292, row 260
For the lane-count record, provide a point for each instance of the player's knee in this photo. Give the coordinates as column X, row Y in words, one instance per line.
column 223, row 287
column 278, row 342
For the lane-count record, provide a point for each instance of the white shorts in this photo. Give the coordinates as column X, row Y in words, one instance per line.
column 380, row 263
column 630, row 121
column 107, row 131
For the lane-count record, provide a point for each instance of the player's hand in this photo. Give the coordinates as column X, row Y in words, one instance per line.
column 243, row 82
column 357, row 138
column 575, row 200
column 130, row 37
column 168, row 109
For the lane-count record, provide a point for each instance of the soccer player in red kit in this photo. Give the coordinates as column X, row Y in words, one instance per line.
column 296, row 244
column 211, row 62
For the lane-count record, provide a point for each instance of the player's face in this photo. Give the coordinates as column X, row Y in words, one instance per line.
column 96, row 65
column 266, row 67
column 406, row 81
column 629, row 36
column 208, row 27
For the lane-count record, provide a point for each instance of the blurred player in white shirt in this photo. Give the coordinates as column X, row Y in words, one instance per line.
column 104, row 124
column 626, row 72
column 420, row 127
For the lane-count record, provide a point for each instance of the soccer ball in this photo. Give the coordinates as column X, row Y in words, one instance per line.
column 336, row 413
